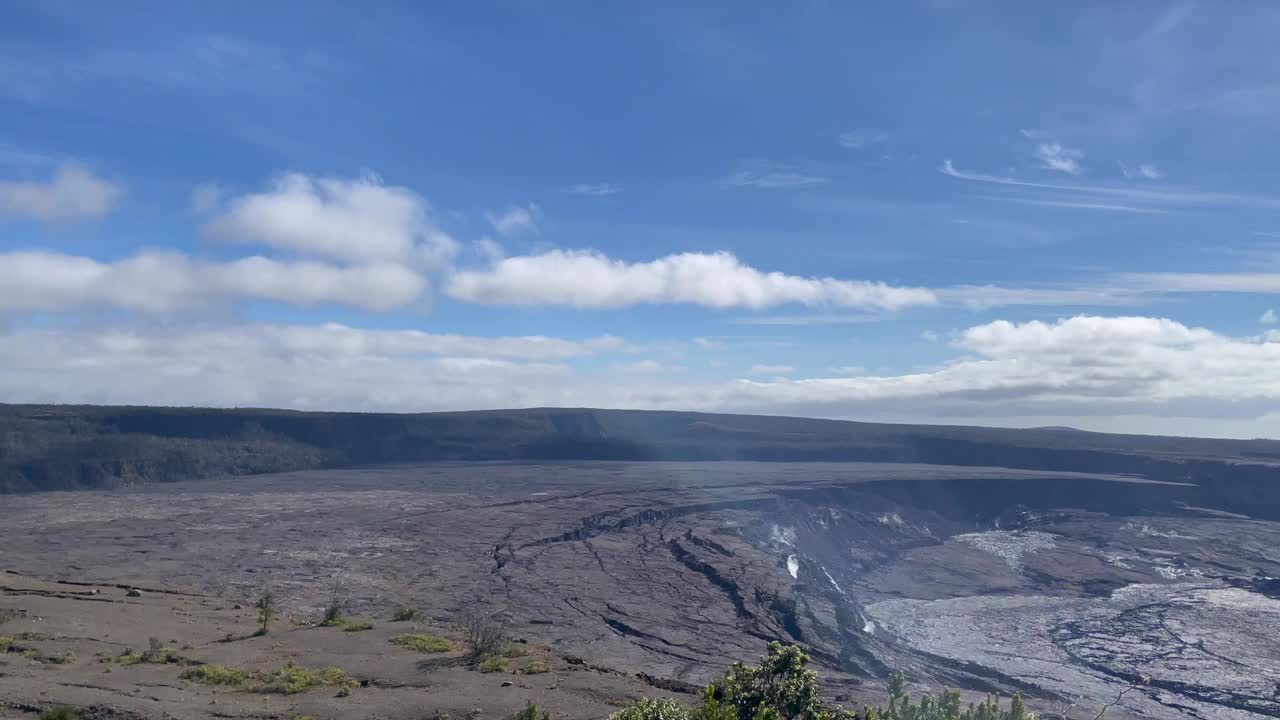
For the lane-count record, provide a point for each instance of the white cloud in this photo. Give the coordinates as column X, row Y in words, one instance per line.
column 360, row 220
column 772, row 180
column 1056, row 157
column 708, row 343
column 1268, row 317
column 1244, row 282
column 588, row 279
column 1145, row 171
column 170, row 281
column 515, row 219
column 594, row 189
column 985, row 297
column 1138, row 369
column 771, row 370
column 73, row 193
column 1130, row 194
column 641, row 367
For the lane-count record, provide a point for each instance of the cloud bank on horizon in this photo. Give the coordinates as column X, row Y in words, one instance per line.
column 722, row 209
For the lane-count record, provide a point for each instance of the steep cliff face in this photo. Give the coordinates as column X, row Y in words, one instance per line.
column 66, row 447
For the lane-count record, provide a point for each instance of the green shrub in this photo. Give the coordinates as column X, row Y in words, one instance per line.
column 779, row 687
column 660, row 709
column 531, row 712
column 285, row 681
column 536, row 667
column 422, row 643
column 59, row 713
column 353, row 625
column 218, row 675
column 5, row 643
column 155, row 654
column 944, row 706
column 494, row 663
column 514, row 650
column 405, row 614
column 291, row 680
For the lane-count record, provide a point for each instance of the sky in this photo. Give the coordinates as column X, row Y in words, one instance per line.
column 1014, row 214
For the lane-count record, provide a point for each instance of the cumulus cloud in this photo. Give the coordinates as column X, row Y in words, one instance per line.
column 354, row 220
column 73, row 193
column 588, row 279
column 170, row 281
column 515, row 219
column 1079, row 367
column 1056, row 157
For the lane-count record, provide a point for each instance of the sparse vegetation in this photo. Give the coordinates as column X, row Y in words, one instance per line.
column 536, row 667
column 157, row 653
column 266, row 606
column 355, row 625
column 514, row 650
column 650, row 709
column 336, row 604
column 484, row 637
column 781, row 688
column 422, row 643
column 406, row 614
column 5, row 643
column 531, row 712
column 494, row 663
column 285, row 681
column 218, row 675
column 59, row 713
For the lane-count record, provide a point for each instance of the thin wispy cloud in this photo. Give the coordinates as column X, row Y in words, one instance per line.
column 594, row 189
column 1085, row 205
column 772, row 180
column 1056, row 157
column 1268, row 317
column 1167, row 196
column 73, row 193
column 856, row 139
column 1145, row 171
column 515, row 219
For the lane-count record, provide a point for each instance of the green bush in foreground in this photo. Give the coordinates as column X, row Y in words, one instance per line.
column 422, row 643
column 781, row 688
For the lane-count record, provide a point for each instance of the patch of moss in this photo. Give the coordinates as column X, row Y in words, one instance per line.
column 494, row 664
column 356, row 625
column 422, row 643
column 59, row 713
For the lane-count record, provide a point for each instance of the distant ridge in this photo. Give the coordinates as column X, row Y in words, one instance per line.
column 68, row 447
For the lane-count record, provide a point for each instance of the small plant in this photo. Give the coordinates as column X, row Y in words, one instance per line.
column 285, row 681
column 660, row 709
column 483, row 636
column 514, row 650
column 531, row 712
column 155, row 651
column 266, row 606
column 59, row 713
column 493, row 664
column 406, row 614
column 6, row 643
column 422, row 643
column 336, row 604
column 536, row 667
column 353, row 625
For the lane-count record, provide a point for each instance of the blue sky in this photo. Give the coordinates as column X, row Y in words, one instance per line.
column 1013, row 214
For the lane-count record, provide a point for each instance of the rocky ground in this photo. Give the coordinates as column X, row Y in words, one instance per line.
column 633, row 578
